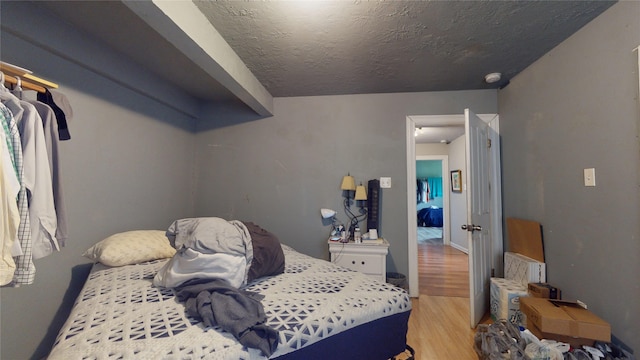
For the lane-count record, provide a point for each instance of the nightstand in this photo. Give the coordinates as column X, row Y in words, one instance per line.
column 368, row 258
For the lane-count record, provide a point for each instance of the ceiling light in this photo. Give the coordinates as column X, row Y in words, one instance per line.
column 492, row 78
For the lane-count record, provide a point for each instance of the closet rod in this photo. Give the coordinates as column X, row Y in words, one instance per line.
column 25, row 84
column 28, row 81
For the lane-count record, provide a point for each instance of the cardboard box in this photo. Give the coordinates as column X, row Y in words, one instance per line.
column 546, row 291
column 564, row 321
column 523, row 269
column 505, row 300
column 525, row 237
column 576, row 343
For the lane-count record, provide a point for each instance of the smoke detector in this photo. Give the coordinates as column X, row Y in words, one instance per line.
column 492, row 78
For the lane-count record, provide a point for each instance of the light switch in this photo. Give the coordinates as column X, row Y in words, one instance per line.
column 385, row 182
column 590, row 177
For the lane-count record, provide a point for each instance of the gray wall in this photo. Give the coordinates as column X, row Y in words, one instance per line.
column 279, row 171
column 458, row 201
column 129, row 165
column 575, row 108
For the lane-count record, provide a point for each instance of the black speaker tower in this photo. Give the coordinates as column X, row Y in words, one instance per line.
column 373, row 204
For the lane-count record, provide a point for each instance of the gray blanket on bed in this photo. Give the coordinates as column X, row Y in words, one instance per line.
column 216, row 302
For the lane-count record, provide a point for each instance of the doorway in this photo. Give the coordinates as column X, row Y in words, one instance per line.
column 432, row 201
column 443, row 269
column 449, row 120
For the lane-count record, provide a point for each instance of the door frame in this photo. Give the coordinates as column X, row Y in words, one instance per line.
column 496, row 196
column 446, row 220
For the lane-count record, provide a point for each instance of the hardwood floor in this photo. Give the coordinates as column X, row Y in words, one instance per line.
column 439, row 328
column 443, row 271
column 439, row 322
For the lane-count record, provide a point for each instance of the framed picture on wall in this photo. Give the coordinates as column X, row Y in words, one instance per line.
column 456, row 180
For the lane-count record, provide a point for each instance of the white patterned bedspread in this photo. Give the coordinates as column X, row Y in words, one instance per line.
column 120, row 315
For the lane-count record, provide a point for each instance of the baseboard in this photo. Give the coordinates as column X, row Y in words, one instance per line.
column 456, row 246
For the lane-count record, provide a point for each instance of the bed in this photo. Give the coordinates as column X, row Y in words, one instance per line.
column 319, row 310
column 430, row 217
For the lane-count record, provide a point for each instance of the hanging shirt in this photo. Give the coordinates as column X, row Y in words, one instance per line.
column 5, row 115
column 61, row 117
column 435, row 187
column 11, row 136
column 37, row 180
column 25, row 269
column 9, row 215
column 52, row 141
column 12, row 112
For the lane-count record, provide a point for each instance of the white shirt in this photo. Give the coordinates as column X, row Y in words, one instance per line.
column 9, row 215
column 51, row 138
column 37, row 180
column 23, row 249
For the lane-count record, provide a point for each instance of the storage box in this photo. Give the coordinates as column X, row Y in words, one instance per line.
column 564, row 321
column 546, row 291
column 505, row 300
column 523, row 269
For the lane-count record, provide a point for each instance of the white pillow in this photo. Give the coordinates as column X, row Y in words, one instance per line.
column 131, row 247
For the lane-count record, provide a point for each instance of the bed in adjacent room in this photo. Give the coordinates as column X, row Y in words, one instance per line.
column 316, row 309
column 430, row 217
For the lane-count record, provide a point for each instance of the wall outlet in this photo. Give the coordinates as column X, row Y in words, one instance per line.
column 590, row 177
column 385, row 182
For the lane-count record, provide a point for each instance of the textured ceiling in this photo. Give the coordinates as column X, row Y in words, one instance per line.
column 342, row 47
column 335, row 47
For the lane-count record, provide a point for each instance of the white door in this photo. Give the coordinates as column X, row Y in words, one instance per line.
column 478, row 224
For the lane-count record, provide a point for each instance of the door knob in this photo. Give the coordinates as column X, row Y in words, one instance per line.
column 471, row 227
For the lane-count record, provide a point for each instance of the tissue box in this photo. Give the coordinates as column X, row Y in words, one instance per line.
column 523, row 269
column 544, row 291
column 505, row 300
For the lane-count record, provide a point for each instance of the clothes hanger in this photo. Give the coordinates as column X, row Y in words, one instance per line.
column 18, row 88
column 3, row 87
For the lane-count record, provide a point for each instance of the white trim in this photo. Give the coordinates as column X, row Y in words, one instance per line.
column 412, row 245
column 496, row 197
column 459, row 247
column 637, row 51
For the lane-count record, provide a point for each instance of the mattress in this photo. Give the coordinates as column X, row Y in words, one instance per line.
column 321, row 310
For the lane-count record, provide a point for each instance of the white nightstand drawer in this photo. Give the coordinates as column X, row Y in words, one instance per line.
column 368, row 264
column 370, row 259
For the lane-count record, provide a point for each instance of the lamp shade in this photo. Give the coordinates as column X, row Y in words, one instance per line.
column 327, row 213
column 361, row 193
column 348, row 183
